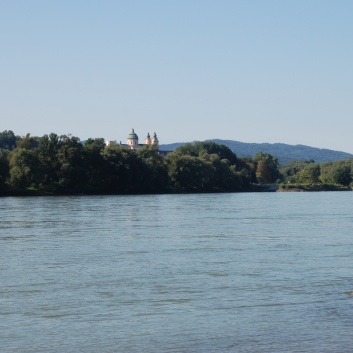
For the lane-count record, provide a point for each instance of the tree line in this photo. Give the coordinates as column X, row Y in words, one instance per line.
column 54, row 164
column 328, row 175
column 65, row 165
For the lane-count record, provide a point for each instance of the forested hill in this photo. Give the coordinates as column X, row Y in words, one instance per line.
column 283, row 152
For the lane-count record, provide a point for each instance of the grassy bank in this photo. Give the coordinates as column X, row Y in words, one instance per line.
column 313, row 187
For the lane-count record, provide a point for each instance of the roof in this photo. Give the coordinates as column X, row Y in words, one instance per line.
column 132, row 135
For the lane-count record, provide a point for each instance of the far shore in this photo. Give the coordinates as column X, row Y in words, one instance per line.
column 253, row 188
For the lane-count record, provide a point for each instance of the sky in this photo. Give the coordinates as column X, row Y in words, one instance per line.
column 244, row 70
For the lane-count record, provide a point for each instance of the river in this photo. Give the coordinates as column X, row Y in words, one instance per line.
column 241, row 272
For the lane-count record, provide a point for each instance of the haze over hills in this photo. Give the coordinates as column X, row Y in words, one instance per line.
column 282, row 151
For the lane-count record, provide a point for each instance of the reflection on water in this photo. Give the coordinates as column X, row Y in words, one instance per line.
column 177, row 273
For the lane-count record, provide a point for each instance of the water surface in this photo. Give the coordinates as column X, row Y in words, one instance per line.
column 258, row 272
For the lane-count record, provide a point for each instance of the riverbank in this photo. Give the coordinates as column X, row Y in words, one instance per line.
column 252, row 188
column 312, row 187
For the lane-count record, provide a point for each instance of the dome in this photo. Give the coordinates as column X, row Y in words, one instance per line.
column 132, row 135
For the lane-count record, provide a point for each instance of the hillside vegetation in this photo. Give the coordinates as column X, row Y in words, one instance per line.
column 308, row 175
column 283, row 152
column 54, row 164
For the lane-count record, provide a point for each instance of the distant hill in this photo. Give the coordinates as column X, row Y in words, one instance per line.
column 282, row 151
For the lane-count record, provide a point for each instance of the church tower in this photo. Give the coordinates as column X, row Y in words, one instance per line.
column 133, row 140
column 155, row 140
column 148, row 140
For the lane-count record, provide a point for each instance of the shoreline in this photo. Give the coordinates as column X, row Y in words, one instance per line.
column 253, row 189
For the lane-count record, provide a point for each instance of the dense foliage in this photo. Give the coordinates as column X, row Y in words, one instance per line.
column 266, row 168
column 8, row 140
column 54, row 164
column 285, row 153
column 306, row 174
column 64, row 165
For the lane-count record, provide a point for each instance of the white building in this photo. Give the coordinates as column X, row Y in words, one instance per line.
column 133, row 141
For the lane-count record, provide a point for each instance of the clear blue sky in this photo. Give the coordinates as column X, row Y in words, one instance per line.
column 244, row 70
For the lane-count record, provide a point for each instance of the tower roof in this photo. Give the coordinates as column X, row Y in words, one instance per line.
column 132, row 135
column 155, row 139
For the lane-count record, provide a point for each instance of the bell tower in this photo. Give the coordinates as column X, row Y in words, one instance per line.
column 155, row 141
column 148, row 140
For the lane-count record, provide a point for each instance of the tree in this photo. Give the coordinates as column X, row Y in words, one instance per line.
column 266, row 167
column 124, row 171
column 49, row 146
column 94, row 163
column 24, row 167
column 342, row 175
column 28, row 142
column 309, row 175
column 7, row 140
column 189, row 149
column 290, row 169
column 225, row 176
column 4, row 168
column 263, row 172
column 155, row 177
column 198, row 149
column 207, row 166
column 72, row 171
column 222, row 151
column 188, row 173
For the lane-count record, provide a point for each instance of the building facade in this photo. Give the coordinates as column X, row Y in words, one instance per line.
column 133, row 141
